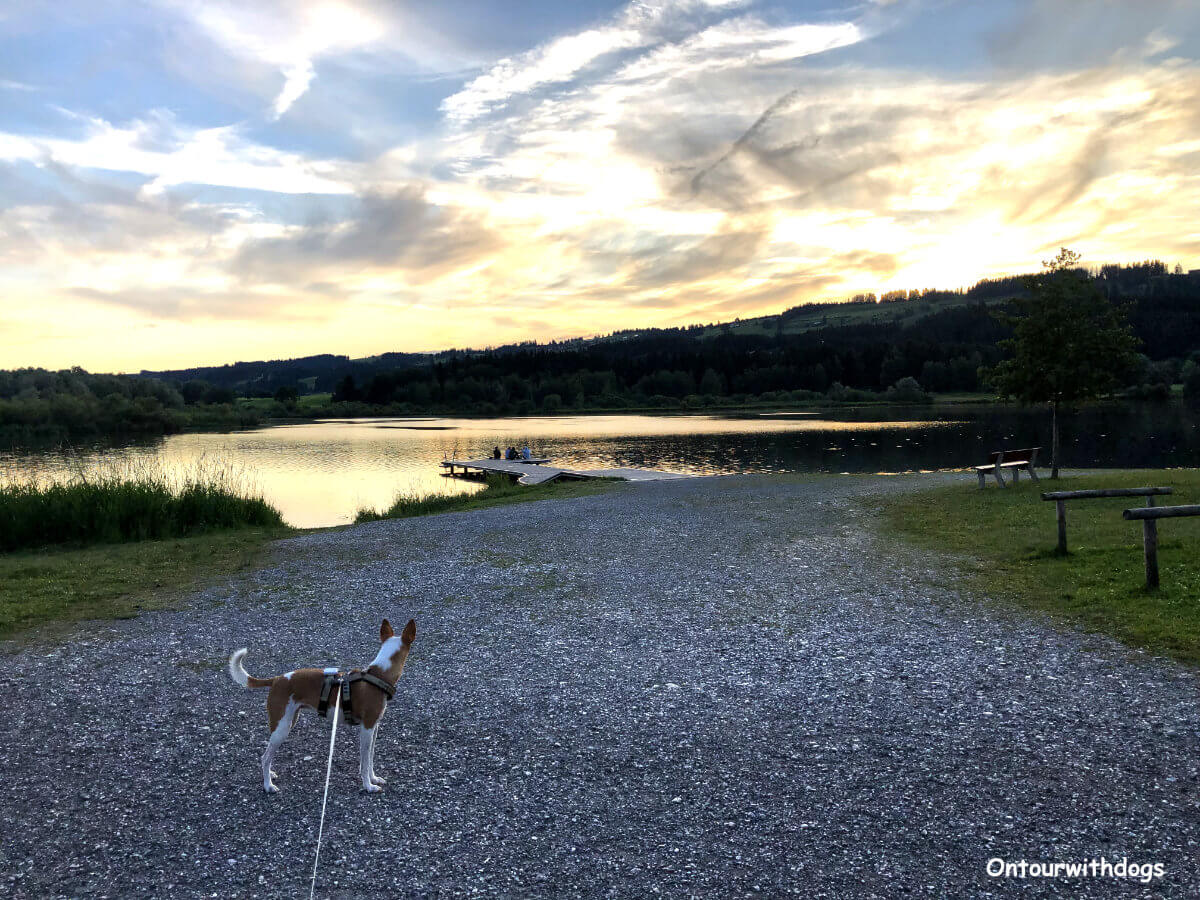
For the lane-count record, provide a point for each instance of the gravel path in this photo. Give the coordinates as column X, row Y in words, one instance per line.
column 715, row 687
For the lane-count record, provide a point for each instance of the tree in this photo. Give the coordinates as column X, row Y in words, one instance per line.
column 1190, row 375
column 287, row 395
column 1069, row 343
column 346, row 390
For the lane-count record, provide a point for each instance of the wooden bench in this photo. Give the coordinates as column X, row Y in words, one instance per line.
column 1060, row 499
column 1009, row 459
column 1149, row 516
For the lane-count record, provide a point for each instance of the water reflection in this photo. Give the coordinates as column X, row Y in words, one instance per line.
column 319, row 473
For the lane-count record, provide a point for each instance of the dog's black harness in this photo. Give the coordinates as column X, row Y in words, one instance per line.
column 339, row 681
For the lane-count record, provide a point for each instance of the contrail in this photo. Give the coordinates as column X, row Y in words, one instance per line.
column 750, row 132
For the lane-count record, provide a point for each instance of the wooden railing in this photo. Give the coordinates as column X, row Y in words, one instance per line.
column 1149, row 517
column 1060, row 499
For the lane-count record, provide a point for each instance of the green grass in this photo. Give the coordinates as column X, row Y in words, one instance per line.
column 806, row 319
column 314, row 401
column 306, row 404
column 499, row 491
column 118, row 506
column 260, row 405
column 117, row 581
column 1004, row 541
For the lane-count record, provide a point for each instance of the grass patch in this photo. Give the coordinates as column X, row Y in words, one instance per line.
column 118, row 581
column 314, row 401
column 116, row 506
column 499, row 491
column 1006, row 540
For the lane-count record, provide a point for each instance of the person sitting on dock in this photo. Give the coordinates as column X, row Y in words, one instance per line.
column 496, row 452
column 526, row 453
column 510, row 453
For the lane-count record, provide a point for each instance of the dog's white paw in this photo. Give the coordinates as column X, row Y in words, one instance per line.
column 270, row 789
column 375, row 779
column 373, row 789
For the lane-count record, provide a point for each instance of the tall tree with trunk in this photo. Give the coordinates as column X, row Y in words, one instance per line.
column 1069, row 343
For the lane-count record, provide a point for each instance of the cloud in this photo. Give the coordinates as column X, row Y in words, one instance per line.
column 399, row 232
column 297, row 77
column 173, row 154
column 73, row 211
column 636, row 26
column 189, row 304
column 291, row 37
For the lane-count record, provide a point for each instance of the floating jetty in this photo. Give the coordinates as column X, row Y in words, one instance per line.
column 535, row 471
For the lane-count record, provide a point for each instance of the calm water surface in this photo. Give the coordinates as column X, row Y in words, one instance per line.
column 320, row 473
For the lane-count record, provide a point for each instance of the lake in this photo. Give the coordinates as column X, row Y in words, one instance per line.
column 319, row 473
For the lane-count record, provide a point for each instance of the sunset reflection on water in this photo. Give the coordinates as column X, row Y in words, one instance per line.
column 319, row 473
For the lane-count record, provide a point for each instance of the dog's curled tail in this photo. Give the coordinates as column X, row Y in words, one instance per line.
column 239, row 674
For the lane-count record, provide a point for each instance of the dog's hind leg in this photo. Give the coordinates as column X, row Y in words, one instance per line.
column 278, row 735
column 375, row 779
column 295, row 716
column 366, row 740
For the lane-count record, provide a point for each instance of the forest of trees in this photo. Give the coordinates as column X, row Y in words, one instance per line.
column 900, row 358
column 40, row 407
column 929, row 341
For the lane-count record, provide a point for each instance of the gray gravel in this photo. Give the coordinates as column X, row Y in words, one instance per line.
column 717, row 687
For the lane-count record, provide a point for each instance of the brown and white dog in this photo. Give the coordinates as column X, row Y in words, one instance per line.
column 293, row 690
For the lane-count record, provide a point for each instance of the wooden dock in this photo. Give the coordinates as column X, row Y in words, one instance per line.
column 535, row 471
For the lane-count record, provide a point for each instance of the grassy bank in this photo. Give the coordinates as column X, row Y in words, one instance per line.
column 498, row 491
column 1005, row 543
column 125, row 576
column 132, row 506
column 115, row 581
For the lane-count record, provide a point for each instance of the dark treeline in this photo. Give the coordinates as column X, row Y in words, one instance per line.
column 306, row 375
column 675, row 367
column 41, row 407
column 901, row 357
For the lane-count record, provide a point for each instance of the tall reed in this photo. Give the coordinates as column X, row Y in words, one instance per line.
column 413, row 503
column 133, row 503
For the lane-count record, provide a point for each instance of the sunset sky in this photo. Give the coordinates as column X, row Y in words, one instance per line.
column 190, row 182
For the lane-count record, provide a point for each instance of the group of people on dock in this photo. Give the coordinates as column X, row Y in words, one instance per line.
column 512, row 453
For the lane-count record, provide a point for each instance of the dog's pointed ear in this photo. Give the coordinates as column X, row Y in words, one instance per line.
column 385, row 630
column 410, row 632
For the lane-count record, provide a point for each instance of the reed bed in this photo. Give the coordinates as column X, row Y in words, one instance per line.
column 131, row 503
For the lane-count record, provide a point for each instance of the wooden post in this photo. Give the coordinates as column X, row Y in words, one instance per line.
column 1150, row 541
column 1061, row 510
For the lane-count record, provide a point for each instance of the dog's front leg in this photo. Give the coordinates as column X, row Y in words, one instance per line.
column 366, row 737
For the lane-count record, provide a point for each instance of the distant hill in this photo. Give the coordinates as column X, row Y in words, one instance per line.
column 312, row 374
column 938, row 337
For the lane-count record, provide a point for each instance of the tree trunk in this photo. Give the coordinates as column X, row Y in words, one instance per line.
column 1054, row 439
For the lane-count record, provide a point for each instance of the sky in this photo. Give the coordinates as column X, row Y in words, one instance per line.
column 195, row 182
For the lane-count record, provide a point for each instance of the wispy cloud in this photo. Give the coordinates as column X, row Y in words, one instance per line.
column 292, row 37
column 169, row 154
column 638, row 25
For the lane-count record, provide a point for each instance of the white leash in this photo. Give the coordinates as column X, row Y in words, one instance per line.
column 328, row 768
